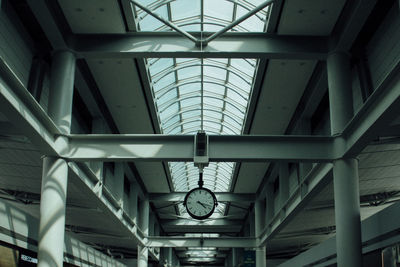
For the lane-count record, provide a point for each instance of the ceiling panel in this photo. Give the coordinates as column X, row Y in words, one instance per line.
column 120, row 86
column 309, row 17
column 250, row 176
column 93, row 16
column 284, row 84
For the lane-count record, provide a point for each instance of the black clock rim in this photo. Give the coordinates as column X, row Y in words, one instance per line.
column 204, row 216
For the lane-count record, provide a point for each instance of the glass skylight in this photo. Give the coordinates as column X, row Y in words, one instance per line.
column 202, row 15
column 208, row 94
column 193, row 94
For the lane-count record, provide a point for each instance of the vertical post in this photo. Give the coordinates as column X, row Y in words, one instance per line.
column 118, row 183
column 55, row 171
column 98, row 126
column 234, row 257
column 152, row 222
column 52, row 212
column 340, row 91
column 270, row 199
column 283, row 184
column 170, row 258
column 345, row 171
column 259, row 225
column 133, row 202
column 143, row 252
column 347, row 212
column 62, row 77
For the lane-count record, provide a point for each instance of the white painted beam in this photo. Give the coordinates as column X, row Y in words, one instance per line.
column 221, row 148
column 219, row 242
column 221, row 197
column 233, row 45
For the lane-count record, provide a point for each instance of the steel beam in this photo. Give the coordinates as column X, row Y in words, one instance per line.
column 208, row 222
column 219, row 242
column 206, row 226
column 221, row 197
column 222, row 148
column 381, row 108
column 22, row 110
column 237, row 45
column 348, row 28
column 209, row 253
column 316, row 180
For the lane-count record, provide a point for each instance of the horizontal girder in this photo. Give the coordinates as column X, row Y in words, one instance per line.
column 227, row 148
column 219, row 242
column 172, row 45
column 221, row 197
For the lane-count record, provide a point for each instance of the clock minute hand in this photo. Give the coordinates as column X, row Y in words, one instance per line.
column 204, row 206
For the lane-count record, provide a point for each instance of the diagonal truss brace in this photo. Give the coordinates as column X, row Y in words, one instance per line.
column 203, row 42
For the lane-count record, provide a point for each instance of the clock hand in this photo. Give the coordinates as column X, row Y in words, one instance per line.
column 204, row 206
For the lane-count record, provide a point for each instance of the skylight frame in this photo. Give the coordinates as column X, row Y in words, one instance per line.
column 183, row 97
column 247, row 6
column 194, row 97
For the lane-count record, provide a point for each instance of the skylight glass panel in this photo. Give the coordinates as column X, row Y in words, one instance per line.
column 218, row 9
column 202, row 15
column 180, row 10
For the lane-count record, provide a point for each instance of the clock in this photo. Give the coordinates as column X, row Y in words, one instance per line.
column 200, row 203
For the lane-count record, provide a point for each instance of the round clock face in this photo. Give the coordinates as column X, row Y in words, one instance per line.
column 200, row 203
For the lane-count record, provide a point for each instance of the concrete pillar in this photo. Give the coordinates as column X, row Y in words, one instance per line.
column 347, row 213
column 283, row 183
column 152, row 223
column 98, row 126
column 118, row 183
column 143, row 252
column 55, row 170
column 345, row 171
column 170, row 257
column 52, row 212
column 259, row 227
column 133, row 202
column 62, row 77
column 340, row 91
column 270, row 203
column 234, row 257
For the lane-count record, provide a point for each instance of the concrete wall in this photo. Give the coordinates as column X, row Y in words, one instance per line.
column 15, row 45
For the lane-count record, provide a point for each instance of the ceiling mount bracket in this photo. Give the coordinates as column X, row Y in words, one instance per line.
column 200, row 158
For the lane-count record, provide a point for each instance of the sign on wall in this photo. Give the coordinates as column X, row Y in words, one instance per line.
column 249, row 258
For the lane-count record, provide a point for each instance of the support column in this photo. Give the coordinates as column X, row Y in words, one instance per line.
column 345, row 171
column 98, row 126
column 52, row 212
column 55, row 170
column 133, row 202
column 283, row 184
column 347, row 212
column 170, row 257
column 234, row 257
column 270, row 202
column 143, row 252
column 118, row 183
column 340, row 91
column 259, row 226
column 62, row 77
